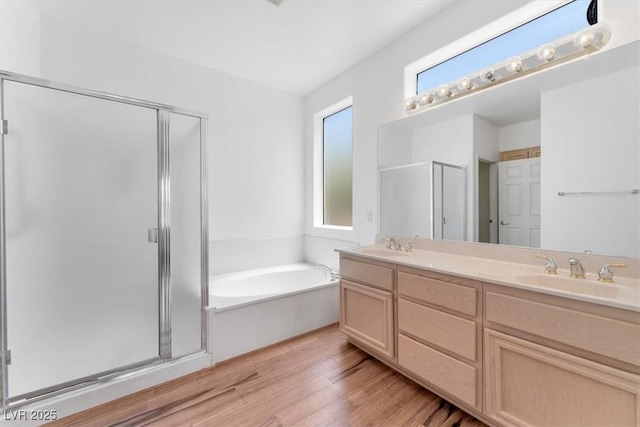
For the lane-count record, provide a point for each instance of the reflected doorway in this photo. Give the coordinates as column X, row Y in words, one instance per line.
column 487, row 201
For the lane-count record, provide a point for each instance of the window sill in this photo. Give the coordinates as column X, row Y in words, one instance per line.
column 333, row 232
column 333, row 227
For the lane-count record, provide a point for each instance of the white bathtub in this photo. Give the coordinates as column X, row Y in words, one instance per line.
column 252, row 309
column 232, row 290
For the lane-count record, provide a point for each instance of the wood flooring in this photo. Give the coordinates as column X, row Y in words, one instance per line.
column 317, row 379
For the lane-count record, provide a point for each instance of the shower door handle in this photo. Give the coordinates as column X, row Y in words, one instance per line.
column 152, row 235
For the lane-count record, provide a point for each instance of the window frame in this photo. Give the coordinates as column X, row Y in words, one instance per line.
column 484, row 34
column 318, row 162
column 505, row 36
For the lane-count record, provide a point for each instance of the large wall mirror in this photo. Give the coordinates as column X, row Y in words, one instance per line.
column 572, row 135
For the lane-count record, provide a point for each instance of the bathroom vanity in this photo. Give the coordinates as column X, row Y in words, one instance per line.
column 500, row 339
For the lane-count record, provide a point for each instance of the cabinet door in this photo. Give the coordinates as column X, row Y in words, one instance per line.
column 535, row 152
column 529, row 384
column 366, row 314
column 514, row 155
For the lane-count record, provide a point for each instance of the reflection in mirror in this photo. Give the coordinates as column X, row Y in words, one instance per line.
column 572, row 129
column 405, row 202
column 449, row 190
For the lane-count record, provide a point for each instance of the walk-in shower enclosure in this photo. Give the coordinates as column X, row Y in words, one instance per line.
column 103, row 236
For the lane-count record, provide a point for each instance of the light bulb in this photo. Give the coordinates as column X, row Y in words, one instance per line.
column 514, row 65
column 587, row 38
column 465, row 84
column 488, row 75
column 445, row 91
column 426, row 99
column 547, row 52
column 410, row 105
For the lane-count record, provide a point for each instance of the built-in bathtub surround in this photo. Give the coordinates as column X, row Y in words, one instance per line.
column 252, row 309
column 320, row 250
column 227, row 256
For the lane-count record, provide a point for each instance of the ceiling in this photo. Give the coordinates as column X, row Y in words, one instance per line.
column 295, row 47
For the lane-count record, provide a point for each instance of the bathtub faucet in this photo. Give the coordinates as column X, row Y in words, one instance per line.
column 334, row 274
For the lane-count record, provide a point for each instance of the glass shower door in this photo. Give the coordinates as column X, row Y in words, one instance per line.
column 185, row 145
column 449, row 201
column 81, row 194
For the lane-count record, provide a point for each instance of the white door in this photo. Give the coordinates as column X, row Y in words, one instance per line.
column 519, row 202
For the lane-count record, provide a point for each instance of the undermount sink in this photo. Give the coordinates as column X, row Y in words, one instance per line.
column 381, row 252
column 567, row 284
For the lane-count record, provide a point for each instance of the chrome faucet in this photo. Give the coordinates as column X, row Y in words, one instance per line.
column 407, row 246
column 550, row 267
column 605, row 274
column 393, row 242
column 334, row 274
column 577, row 270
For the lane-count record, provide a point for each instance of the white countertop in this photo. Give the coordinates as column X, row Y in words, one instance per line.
column 623, row 293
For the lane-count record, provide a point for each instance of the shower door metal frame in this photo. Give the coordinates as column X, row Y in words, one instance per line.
column 164, row 251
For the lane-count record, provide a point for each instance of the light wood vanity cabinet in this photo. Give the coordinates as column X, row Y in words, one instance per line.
column 508, row 356
column 366, row 305
column 439, row 332
column 555, row 361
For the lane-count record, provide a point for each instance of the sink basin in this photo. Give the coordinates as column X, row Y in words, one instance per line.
column 381, row 252
column 567, row 284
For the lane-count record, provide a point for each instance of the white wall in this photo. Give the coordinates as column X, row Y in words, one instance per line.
column 450, row 142
column 255, row 148
column 395, row 146
column 485, row 146
column 590, row 142
column 255, row 144
column 377, row 86
column 520, row 135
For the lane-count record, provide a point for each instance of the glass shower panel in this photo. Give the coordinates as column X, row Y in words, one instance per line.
column 82, row 278
column 453, row 203
column 405, row 201
column 437, row 215
column 186, row 234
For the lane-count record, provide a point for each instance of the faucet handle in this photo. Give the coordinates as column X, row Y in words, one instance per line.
column 550, row 267
column 407, row 246
column 605, row 274
column 388, row 243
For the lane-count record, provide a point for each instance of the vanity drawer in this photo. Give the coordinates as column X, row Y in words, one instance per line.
column 450, row 332
column 370, row 274
column 445, row 372
column 601, row 335
column 449, row 295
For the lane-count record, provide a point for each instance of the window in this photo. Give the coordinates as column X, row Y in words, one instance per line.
column 334, row 166
column 556, row 24
column 337, row 168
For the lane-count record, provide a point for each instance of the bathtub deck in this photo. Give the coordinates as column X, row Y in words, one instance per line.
column 315, row 379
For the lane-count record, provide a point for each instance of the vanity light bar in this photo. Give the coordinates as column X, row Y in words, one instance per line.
column 548, row 55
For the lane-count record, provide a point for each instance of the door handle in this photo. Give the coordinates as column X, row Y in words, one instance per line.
column 504, row 223
column 152, row 235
